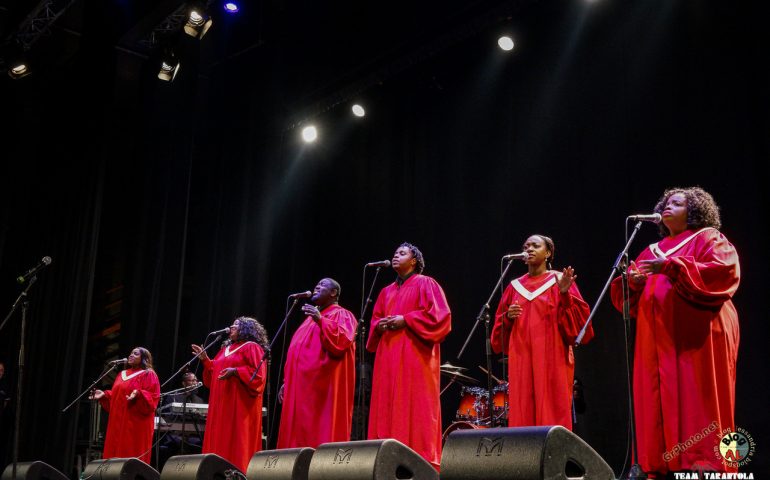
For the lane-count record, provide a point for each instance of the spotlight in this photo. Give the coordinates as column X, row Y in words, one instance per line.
column 17, row 62
column 505, row 42
column 231, row 7
column 18, row 70
column 198, row 22
column 169, row 67
column 358, row 110
column 309, row 134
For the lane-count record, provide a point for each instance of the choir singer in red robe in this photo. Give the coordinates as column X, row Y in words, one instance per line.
column 234, row 421
column 686, row 336
column 537, row 321
column 320, row 373
column 131, row 404
column 410, row 319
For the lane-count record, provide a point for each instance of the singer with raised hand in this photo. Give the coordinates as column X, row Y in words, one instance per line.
column 410, row 319
column 131, row 404
column 537, row 321
column 320, row 373
column 687, row 333
column 234, row 422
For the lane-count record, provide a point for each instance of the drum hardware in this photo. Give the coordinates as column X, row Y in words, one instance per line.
column 474, row 407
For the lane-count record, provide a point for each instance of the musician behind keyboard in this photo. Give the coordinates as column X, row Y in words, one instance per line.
column 172, row 444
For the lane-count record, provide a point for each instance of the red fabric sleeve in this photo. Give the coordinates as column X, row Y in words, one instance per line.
column 146, row 400
column 502, row 324
column 105, row 400
column 711, row 281
column 338, row 330
column 378, row 313
column 252, row 357
column 616, row 295
column 573, row 311
column 432, row 321
column 207, row 365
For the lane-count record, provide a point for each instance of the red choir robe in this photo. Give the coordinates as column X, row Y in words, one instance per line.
column 319, row 381
column 405, row 382
column 132, row 422
column 541, row 363
column 234, row 422
column 686, row 350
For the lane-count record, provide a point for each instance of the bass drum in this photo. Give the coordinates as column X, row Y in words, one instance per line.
column 460, row 426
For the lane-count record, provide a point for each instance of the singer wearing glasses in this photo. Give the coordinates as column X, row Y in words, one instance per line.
column 537, row 321
column 687, row 334
column 234, row 422
column 131, row 404
column 320, row 373
column 410, row 319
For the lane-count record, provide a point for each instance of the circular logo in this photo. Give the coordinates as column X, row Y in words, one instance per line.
column 736, row 447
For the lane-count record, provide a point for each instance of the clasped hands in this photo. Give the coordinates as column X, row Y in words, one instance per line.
column 391, row 322
column 311, row 311
column 638, row 274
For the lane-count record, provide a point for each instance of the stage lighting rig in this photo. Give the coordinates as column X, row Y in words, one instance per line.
column 198, row 21
column 169, row 66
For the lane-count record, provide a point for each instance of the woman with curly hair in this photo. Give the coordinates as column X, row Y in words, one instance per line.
column 234, row 422
column 686, row 336
column 131, row 404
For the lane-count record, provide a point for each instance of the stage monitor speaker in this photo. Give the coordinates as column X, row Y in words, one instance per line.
column 527, row 453
column 286, row 464
column 33, row 471
column 120, row 469
column 207, row 466
column 369, row 460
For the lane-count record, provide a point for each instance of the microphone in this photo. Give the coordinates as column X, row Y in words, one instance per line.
column 192, row 388
column 44, row 262
column 219, row 332
column 382, row 263
column 305, row 294
column 119, row 361
column 652, row 217
column 516, row 256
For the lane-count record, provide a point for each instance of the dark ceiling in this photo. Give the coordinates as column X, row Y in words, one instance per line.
column 335, row 45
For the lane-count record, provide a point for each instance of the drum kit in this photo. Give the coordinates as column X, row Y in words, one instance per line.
column 473, row 410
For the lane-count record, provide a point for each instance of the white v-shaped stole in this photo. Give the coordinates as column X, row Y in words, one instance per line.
column 655, row 249
column 127, row 377
column 229, row 352
column 532, row 295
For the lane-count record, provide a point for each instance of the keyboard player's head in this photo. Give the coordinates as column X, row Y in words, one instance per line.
column 189, row 380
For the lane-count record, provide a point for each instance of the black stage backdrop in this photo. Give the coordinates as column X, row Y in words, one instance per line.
column 197, row 202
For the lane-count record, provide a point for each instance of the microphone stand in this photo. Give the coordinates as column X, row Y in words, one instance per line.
column 485, row 316
column 205, row 347
column 17, row 420
column 90, row 387
column 620, row 268
column 362, row 338
column 184, row 391
column 267, row 374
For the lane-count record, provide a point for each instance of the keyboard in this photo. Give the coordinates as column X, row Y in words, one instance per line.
column 201, row 409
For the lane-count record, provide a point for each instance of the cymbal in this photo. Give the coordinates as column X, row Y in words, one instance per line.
column 459, row 377
column 449, row 366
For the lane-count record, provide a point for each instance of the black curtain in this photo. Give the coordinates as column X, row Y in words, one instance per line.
column 197, row 203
